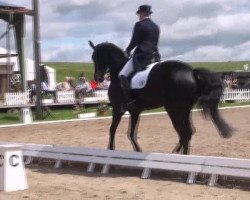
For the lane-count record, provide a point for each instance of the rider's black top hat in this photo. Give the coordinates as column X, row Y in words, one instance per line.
column 144, row 8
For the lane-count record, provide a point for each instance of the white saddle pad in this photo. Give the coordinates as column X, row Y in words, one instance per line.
column 140, row 79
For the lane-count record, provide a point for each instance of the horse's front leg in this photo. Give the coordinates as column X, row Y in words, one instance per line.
column 116, row 118
column 177, row 148
column 132, row 132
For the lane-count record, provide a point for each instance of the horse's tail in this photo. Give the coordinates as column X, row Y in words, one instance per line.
column 210, row 90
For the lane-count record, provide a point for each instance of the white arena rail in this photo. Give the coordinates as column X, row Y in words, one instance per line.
column 22, row 98
column 16, row 98
column 98, row 96
column 65, row 96
column 240, row 95
column 101, row 95
column 193, row 165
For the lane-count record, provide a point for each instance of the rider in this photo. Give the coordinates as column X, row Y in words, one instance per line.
column 145, row 41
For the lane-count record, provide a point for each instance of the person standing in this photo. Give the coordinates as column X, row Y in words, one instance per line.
column 145, row 40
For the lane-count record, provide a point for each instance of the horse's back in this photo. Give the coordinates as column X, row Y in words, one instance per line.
column 172, row 74
column 170, row 82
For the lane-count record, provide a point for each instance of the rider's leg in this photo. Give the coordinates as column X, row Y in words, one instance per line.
column 125, row 83
column 127, row 69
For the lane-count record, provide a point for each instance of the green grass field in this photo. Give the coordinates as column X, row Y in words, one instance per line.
column 221, row 66
column 74, row 69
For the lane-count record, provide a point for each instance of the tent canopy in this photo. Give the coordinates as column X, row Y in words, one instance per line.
column 15, row 16
column 6, row 8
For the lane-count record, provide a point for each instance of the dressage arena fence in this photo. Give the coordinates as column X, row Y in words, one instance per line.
column 16, row 98
column 65, row 96
column 239, row 95
column 191, row 164
column 97, row 96
column 23, row 98
column 94, row 96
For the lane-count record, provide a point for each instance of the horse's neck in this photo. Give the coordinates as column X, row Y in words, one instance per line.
column 114, row 78
column 117, row 66
column 114, row 72
column 119, row 60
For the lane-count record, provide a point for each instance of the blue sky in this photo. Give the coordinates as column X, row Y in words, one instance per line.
column 191, row 30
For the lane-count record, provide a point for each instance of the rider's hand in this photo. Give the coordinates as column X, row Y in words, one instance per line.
column 127, row 54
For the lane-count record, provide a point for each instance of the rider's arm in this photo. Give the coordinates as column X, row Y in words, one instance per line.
column 135, row 38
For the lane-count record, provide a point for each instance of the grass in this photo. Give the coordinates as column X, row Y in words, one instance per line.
column 221, row 66
column 9, row 118
column 56, row 114
column 66, row 113
column 72, row 69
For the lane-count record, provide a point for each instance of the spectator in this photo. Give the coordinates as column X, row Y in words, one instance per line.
column 45, row 86
column 234, row 81
column 93, row 84
column 231, row 81
column 84, row 85
column 82, row 78
column 44, row 89
column 68, row 84
column 105, row 84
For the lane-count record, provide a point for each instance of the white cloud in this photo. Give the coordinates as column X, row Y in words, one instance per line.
column 217, row 53
column 206, row 53
column 190, row 29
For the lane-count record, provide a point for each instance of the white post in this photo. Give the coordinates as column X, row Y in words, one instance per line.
column 12, row 172
column 212, row 180
column 105, row 169
column 26, row 115
column 191, row 177
column 146, row 173
column 91, row 167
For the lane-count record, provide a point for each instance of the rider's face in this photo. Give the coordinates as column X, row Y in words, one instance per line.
column 142, row 15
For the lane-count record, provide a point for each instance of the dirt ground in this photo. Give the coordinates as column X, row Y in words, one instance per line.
column 155, row 134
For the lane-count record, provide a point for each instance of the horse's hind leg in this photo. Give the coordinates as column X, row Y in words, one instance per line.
column 132, row 132
column 187, row 137
column 182, row 124
column 115, row 122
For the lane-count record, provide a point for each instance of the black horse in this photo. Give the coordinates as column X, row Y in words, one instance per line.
column 172, row 84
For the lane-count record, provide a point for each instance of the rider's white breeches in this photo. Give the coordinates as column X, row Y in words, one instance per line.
column 127, row 69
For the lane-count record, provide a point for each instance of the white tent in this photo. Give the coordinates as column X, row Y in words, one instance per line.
column 30, row 71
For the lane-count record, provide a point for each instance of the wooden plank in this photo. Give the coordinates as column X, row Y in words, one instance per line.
column 227, row 171
column 190, row 164
column 116, row 161
column 228, row 162
column 205, row 160
column 122, row 154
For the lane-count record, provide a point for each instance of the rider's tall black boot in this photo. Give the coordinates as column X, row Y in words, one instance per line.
column 125, row 85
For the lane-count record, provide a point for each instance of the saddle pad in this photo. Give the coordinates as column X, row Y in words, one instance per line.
column 140, row 79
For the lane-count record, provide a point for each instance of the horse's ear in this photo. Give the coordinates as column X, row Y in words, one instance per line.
column 91, row 44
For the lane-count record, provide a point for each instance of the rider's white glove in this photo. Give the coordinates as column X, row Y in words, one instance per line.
column 127, row 54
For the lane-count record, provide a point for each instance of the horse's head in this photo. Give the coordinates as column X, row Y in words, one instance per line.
column 106, row 56
column 100, row 62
